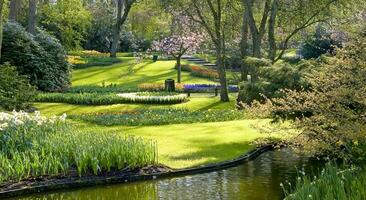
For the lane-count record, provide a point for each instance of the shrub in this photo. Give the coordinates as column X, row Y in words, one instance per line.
column 272, row 80
column 253, row 66
column 320, row 43
column 160, row 117
column 36, row 146
column 109, row 98
column 331, row 116
column 41, row 58
column 15, row 90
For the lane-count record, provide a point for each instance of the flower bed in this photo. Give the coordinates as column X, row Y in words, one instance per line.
column 185, row 87
column 154, row 98
column 33, row 146
column 109, row 98
column 160, row 117
column 207, row 87
column 201, row 72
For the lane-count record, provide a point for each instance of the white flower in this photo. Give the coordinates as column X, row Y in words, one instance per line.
column 63, row 117
column 3, row 126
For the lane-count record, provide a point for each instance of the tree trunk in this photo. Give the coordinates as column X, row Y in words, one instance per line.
column 244, row 45
column 179, row 68
column 13, row 10
column 222, row 75
column 1, row 24
column 32, row 11
column 271, row 31
column 117, row 29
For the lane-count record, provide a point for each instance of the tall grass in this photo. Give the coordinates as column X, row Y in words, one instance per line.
column 35, row 146
column 110, row 98
column 332, row 183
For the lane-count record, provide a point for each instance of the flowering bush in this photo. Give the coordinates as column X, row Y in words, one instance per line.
column 33, row 146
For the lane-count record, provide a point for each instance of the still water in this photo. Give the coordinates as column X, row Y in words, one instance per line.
column 257, row 179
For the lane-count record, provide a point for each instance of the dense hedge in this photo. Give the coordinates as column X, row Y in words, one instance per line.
column 40, row 57
column 110, row 98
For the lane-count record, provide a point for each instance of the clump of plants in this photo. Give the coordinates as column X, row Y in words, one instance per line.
column 332, row 183
column 83, row 59
column 33, row 146
column 111, row 98
column 41, row 57
column 201, row 72
column 160, row 117
column 15, row 90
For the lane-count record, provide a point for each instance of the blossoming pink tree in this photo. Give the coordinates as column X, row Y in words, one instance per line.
column 183, row 41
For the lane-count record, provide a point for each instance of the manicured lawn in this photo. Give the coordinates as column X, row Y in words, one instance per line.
column 197, row 102
column 128, row 75
column 187, row 145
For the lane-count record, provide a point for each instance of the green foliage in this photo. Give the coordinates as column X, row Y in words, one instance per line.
column 35, row 146
column 320, row 43
column 68, row 20
column 39, row 57
column 272, row 80
column 110, row 98
column 332, row 114
column 253, row 66
column 332, row 183
column 160, row 117
column 15, row 90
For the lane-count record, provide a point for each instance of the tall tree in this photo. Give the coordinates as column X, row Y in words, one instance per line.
column 257, row 32
column 123, row 8
column 210, row 14
column 244, row 46
column 32, row 16
column 271, row 31
column 1, row 24
column 14, row 10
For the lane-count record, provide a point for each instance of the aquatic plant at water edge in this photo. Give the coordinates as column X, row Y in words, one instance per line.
column 35, row 146
column 332, row 183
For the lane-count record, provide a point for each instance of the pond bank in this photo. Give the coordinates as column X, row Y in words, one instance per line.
column 150, row 173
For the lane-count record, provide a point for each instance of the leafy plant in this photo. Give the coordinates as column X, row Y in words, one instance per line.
column 35, row 146
column 15, row 90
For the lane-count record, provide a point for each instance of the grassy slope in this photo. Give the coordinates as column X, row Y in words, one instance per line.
column 187, row 145
column 182, row 145
column 129, row 75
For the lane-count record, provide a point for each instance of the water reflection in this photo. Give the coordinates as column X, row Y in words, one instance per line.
column 257, row 179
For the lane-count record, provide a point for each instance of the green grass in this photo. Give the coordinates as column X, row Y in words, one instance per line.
column 187, row 145
column 129, row 75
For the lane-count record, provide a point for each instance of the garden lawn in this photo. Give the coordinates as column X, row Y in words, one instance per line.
column 129, row 75
column 197, row 102
column 187, row 145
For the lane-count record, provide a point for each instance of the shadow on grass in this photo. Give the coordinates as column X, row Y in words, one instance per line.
column 214, row 153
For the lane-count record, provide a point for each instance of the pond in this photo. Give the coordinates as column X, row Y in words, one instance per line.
column 257, row 179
